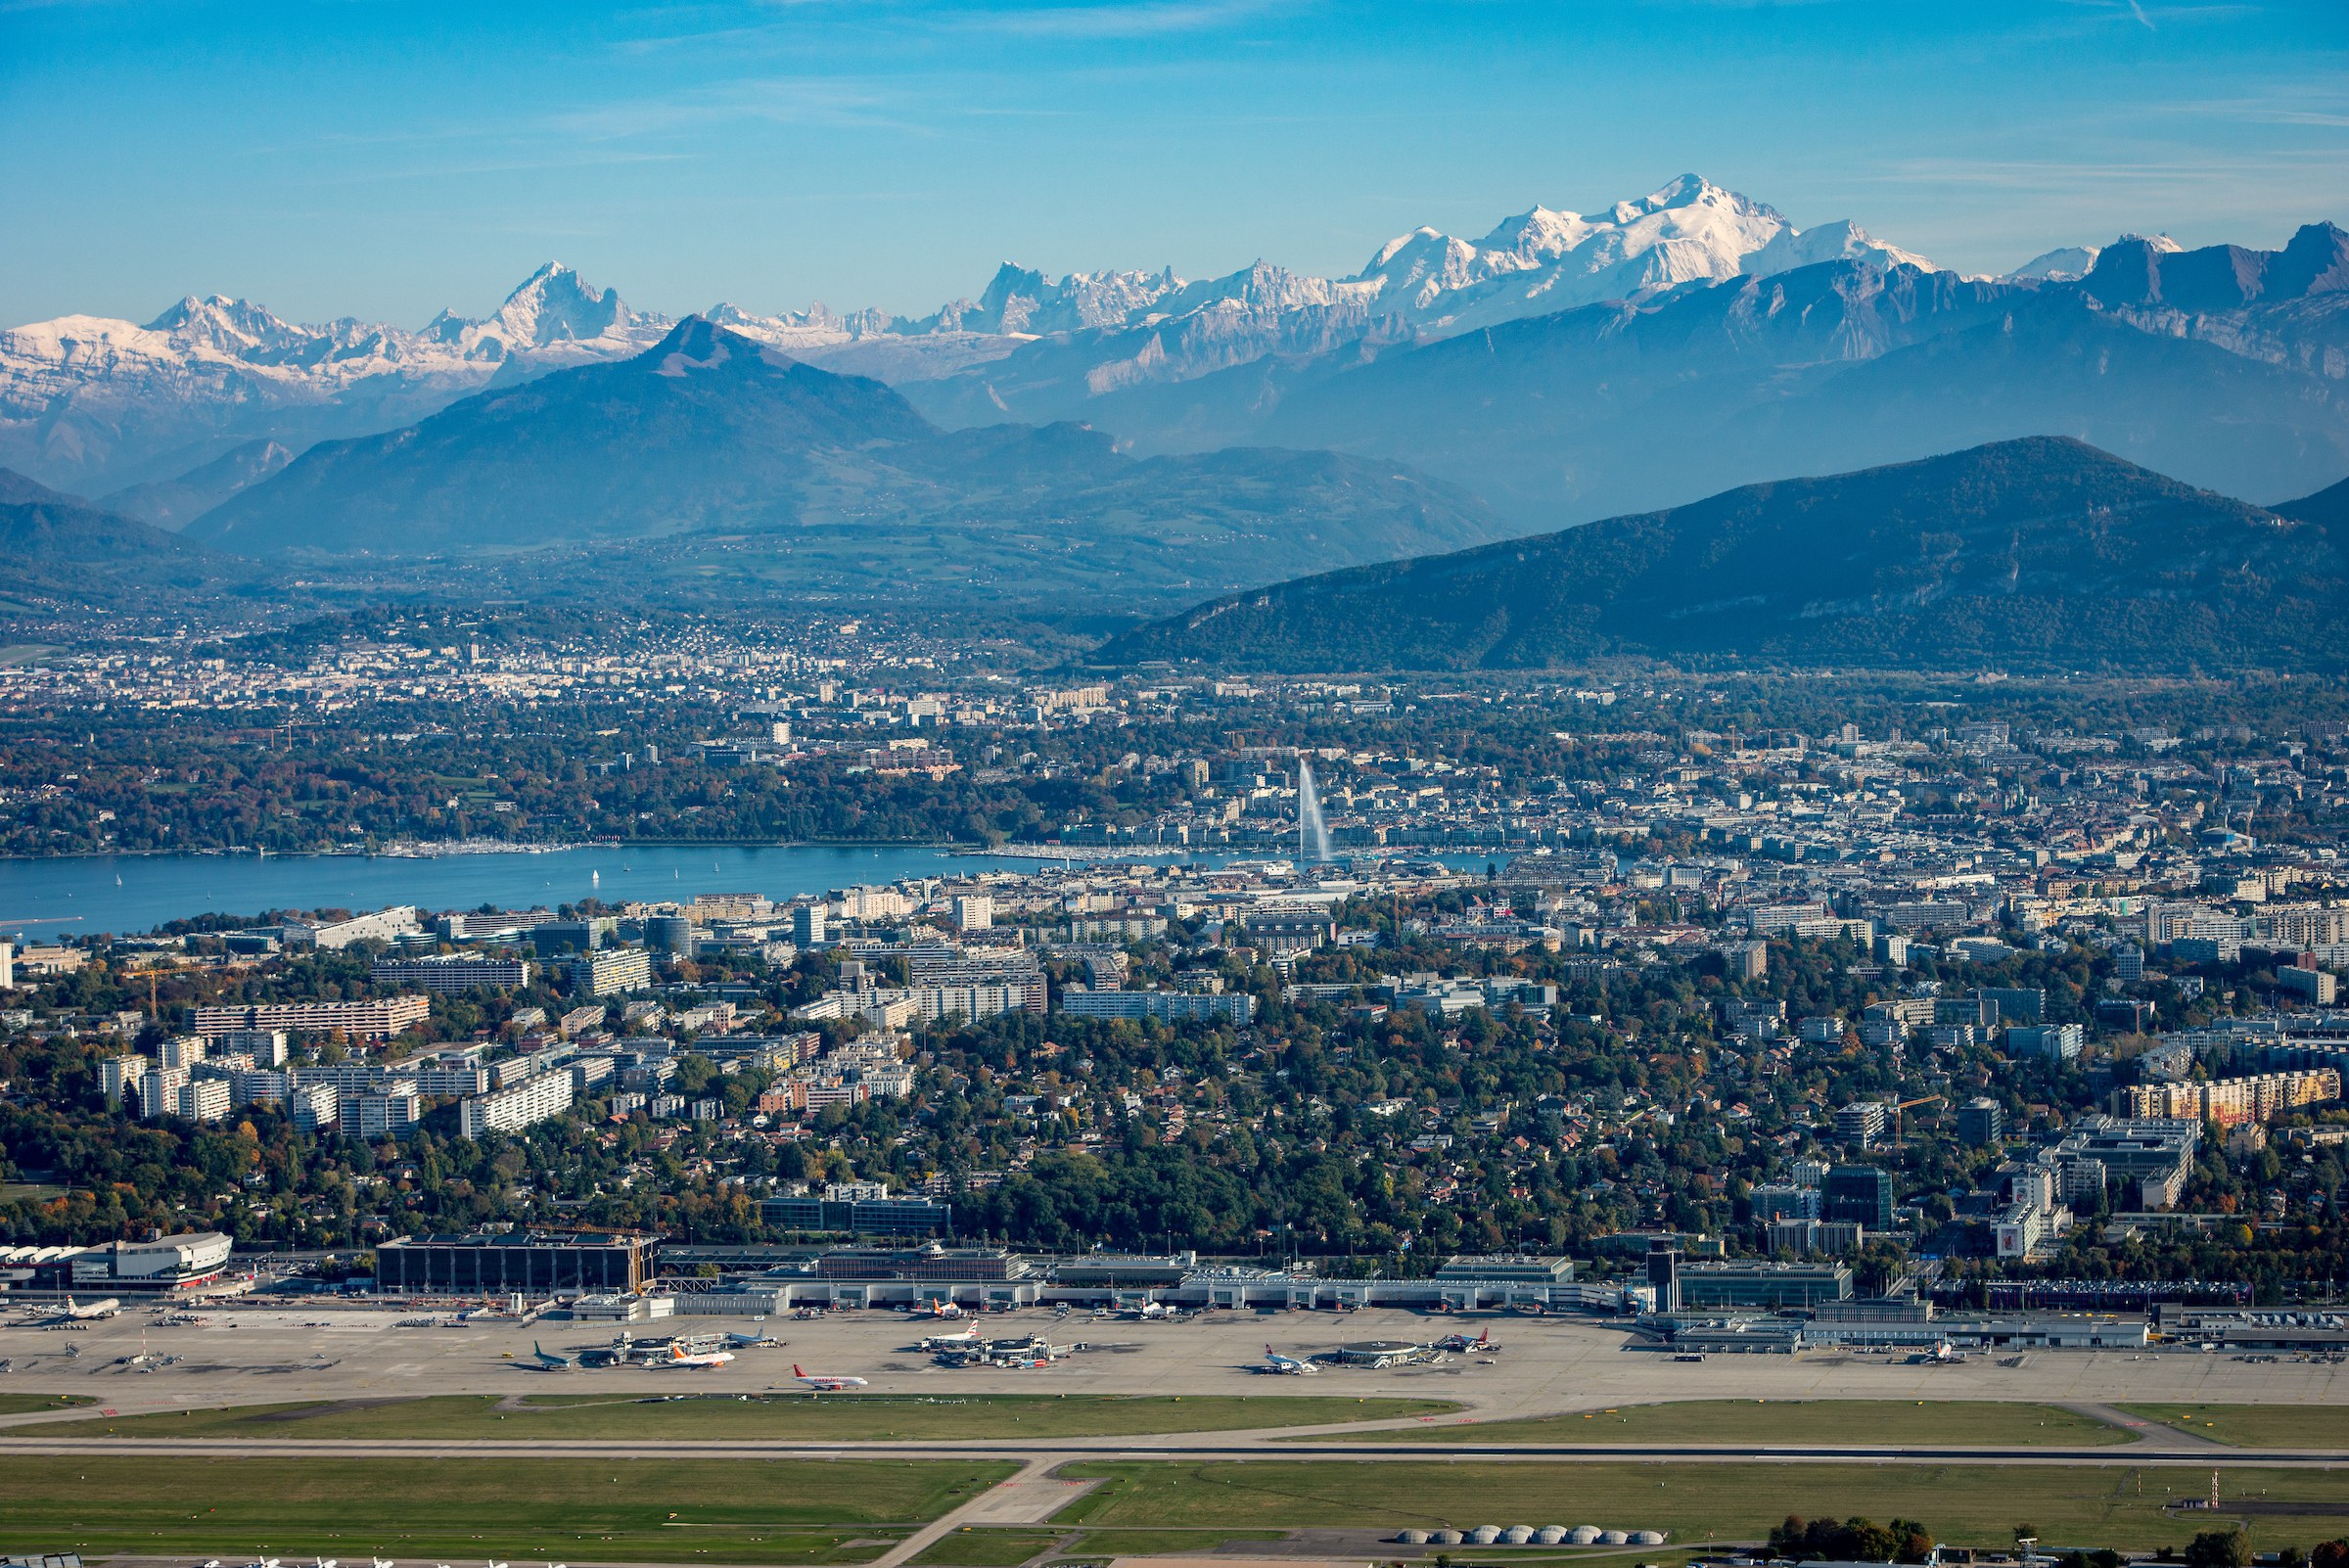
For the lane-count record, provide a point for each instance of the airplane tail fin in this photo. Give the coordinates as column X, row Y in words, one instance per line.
column 795, row 1371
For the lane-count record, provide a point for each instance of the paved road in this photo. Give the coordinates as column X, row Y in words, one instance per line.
column 1211, row 1446
column 920, row 1540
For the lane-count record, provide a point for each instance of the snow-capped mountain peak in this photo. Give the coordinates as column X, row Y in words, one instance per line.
column 209, row 369
column 1551, row 260
column 224, row 324
column 555, row 304
column 1839, row 241
column 1693, row 191
column 2071, row 263
column 1537, row 235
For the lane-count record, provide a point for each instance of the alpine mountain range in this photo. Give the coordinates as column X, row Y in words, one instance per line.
column 1171, row 439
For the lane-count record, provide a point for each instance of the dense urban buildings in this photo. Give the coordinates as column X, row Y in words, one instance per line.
column 1800, row 974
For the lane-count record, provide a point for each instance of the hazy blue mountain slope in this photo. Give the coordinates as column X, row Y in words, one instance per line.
column 174, row 503
column 749, row 463
column 69, row 555
column 2040, row 552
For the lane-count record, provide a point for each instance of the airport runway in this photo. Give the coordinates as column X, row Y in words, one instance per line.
column 1046, row 1454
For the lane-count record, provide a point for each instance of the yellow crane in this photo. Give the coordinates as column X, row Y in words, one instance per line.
column 1904, row 1105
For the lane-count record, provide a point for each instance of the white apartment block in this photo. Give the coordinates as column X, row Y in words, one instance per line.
column 202, row 1099
column 510, row 1110
column 379, row 1019
column 454, row 973
column 313, row 1106
column 378, row 1116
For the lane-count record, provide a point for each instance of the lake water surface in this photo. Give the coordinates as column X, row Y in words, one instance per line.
column 78, row 895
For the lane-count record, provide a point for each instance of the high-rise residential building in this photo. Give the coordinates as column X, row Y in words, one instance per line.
column 314, row 1105
column 158, row 1091
column 510, row 1110
column 1167, row 1006
column 266, row 1046
column 2318, row 985
column 1859, row 1124
column 202, row 1099
column 454, row 972
column 608, row 971
column 378, row 1116
column 2229, row 1101
column 379, row 1019
column 118, row 1076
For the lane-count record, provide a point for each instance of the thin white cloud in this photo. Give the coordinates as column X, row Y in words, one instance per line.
column 1146, row 20
column 773, row 100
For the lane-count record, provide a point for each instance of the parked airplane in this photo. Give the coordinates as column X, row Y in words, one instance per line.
column 73, row 1312
column 1481, row 1345
column 680, row 1360
column 551, row 1363
column 751, row 1340
column 822, row 1381
column 939, row 1342
column 1287, row 1366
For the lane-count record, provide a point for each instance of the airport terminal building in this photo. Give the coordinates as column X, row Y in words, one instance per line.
column 171, row 1262
column 528, row 1261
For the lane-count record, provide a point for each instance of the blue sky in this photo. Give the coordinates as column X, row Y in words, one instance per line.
column 387, row 158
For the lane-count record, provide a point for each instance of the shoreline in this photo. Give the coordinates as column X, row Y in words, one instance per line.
column 465, row 848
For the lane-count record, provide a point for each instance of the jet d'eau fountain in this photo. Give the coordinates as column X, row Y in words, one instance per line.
column 1313, row 832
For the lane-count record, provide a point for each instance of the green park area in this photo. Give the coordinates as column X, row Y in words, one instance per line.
column 1906, row 1423
column 781, row 1511
column 721, row 1417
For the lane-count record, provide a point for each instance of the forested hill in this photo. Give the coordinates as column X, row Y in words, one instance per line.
column 2036, row 553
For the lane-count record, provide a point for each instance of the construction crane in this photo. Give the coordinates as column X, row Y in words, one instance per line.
column 1929, row 1099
